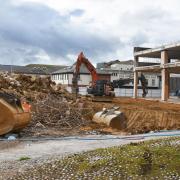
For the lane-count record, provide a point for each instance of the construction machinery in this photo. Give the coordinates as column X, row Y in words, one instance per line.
column 111, row 117
column 14, row 113
column 102, row 88
column 83, row 60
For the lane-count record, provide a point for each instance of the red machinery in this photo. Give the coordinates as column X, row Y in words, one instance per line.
column 101, row 87
column 83, row 60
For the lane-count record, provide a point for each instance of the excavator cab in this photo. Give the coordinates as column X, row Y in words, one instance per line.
column 98, row 89
column 102, row 91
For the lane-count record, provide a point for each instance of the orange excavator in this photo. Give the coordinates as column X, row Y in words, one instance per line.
column 97, row 87
column 83, row 60
column 14, row 113
column 100, row 87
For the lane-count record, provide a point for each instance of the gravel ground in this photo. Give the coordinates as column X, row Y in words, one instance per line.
column 43, row 152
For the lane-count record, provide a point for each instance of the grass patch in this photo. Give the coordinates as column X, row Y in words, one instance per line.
column 24, row 158
column 159, row 159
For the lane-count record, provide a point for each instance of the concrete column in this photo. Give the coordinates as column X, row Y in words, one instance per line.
column 135, row 93
column 165, row 76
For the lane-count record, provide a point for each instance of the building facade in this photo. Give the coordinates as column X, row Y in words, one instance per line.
column 124, row 70
column 64, row 76
column 169, row 65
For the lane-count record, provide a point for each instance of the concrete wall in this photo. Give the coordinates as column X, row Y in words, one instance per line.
column 155, row 93
column 84, row 79
column 153, row 80
column 82, row 90
column 122, row 67
column 129, row 92
column 120, row 75
column 66, row 79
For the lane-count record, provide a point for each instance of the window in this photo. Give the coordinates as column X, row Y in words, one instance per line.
column 153, row 82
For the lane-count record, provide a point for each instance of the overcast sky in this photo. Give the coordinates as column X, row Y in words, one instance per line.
column 55, row 31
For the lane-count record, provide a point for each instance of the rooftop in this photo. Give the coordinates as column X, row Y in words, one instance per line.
column 83, row 70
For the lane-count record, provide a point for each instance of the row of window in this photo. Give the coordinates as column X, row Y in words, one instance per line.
column 60, row 77
column 124, row 75
column 121, row 75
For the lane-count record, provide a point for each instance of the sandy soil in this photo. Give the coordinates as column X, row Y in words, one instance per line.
column 145, row 115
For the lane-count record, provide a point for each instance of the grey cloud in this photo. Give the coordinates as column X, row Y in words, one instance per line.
column 39, row 27
column 148, row 26
column 77, row 12
column 139, row 38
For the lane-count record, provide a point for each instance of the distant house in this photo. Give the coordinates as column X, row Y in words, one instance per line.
column 64, row 76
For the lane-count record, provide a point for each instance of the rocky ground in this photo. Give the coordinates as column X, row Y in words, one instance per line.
column 155, row 159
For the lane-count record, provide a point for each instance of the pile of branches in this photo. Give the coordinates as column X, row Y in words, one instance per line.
column 57, row 112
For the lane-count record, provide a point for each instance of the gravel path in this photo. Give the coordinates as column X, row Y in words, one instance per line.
column 49, row 150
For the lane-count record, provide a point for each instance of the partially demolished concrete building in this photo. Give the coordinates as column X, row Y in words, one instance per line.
column 169, row 63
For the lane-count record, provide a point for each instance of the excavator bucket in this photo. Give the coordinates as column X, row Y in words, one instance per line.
column 12, row 117
column 111, row 117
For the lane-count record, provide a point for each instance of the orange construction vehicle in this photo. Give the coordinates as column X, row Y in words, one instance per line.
column 101, row 87
column 14, row 114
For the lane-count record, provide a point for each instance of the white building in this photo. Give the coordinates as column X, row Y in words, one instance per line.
column 64, row 76
column 124, row 70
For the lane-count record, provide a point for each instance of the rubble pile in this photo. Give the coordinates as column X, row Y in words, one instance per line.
column 53, row 108
column 32, row 88
column 57, row 112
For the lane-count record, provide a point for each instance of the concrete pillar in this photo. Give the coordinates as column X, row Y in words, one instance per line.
column 165, row 76
column 135, row 93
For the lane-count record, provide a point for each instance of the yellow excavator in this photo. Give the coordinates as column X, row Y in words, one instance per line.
column 14, row 113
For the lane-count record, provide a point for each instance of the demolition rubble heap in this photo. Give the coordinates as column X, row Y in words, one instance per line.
column 52, row 105
column 32, row 88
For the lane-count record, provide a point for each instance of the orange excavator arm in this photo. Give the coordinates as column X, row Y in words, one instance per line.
column 83, row 60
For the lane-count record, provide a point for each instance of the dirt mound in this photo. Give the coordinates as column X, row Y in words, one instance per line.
column 146, row 115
